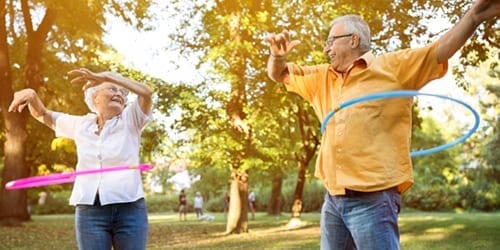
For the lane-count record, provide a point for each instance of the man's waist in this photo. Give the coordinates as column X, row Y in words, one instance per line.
column 354, row 193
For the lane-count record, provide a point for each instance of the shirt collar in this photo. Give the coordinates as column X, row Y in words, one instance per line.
column 364, row 60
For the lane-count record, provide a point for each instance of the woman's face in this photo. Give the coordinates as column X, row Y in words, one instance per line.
column 110, row 98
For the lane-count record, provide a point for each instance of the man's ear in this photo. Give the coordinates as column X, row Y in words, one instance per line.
column 354, row 41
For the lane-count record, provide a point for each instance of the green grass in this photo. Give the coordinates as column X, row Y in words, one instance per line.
column 419, row 230
column 450, row 231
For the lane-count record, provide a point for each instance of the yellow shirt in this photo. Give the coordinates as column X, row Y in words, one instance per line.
column 365, row 147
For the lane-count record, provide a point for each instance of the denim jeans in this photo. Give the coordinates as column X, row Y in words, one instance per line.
column 368, row 221
column 121, row 226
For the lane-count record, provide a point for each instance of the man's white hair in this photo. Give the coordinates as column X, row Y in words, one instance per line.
column 356, row 25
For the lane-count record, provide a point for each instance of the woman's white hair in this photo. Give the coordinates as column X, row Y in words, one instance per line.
column 89, row 98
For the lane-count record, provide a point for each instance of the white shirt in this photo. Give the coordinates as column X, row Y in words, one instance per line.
column 251, row 196
column 198, row 202
column 117, row 145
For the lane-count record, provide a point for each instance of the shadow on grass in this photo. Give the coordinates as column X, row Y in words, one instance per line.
column 419, row 231
column 265, row 232
column 450, row 231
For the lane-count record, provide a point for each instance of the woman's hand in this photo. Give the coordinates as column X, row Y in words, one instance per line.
column 21, row 99
column 29, row 98
column 90, row 78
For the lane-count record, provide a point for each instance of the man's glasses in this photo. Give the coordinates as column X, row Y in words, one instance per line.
column 116, row 90
column 331, row 39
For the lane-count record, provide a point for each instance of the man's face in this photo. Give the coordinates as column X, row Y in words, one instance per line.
column 339, row 48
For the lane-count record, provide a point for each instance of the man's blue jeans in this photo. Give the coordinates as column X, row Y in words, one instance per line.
column 121, row 225
column 361, row 221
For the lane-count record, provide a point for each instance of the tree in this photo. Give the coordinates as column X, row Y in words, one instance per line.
column 45, row 33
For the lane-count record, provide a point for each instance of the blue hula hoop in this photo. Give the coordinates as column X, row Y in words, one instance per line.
column 409, row 93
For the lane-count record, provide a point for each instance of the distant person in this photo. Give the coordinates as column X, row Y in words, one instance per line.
column 110, row 208
column 42, row 198
column 251, row 203
column 182, row 205
column 198, row 205
column 226, row 204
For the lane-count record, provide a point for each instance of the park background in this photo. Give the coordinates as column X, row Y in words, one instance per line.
column 219, row 120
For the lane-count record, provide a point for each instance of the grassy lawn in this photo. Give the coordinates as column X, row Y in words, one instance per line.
column 419, row 230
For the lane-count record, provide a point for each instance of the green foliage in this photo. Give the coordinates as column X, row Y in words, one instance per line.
column 215, row 204
column 227, row 37
column 55, row 203
column 161, row 203
column 312, row 199
column 224, row 32
column 428, row 198
column 41, row 41
column 479, row 196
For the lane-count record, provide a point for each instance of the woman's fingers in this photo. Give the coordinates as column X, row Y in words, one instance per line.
column 19, row 102
column 22, row 106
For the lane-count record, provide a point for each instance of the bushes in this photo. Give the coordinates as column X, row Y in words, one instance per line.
column 55, row 203
column 482, row 197
column 428, row 198
column 158, row 203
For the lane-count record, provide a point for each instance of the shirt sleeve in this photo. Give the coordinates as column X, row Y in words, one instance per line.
column 66, row 125
column 416, row 67
column 138, row 118
column 303, row 80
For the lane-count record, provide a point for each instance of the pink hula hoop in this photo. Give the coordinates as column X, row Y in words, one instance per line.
column 61, row 178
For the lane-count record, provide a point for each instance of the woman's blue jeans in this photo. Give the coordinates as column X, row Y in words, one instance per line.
column 361, row 221
column 121, row 226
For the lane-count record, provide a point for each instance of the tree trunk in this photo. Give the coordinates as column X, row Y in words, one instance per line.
column 311, row 143
column 274, row 207
column 13, row 204
column 299, row 190
column 237, row 220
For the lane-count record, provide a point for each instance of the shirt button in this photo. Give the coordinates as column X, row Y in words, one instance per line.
column 340, row 133
column 339, row 167
column 339, row 150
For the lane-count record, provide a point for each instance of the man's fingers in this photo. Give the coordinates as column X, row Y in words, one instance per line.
column 270, row 38
column 286, row 35
column 280, row 38
column 293, row 43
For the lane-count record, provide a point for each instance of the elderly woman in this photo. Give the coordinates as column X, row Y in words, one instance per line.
column 110, row 207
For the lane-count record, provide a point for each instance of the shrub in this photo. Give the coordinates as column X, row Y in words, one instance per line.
column 428, row 198
column 168, row 202
column 55, row 203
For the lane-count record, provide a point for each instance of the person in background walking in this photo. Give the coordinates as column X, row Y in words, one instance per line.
column 251, row 203
column 182, row 205
column 198, row 204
